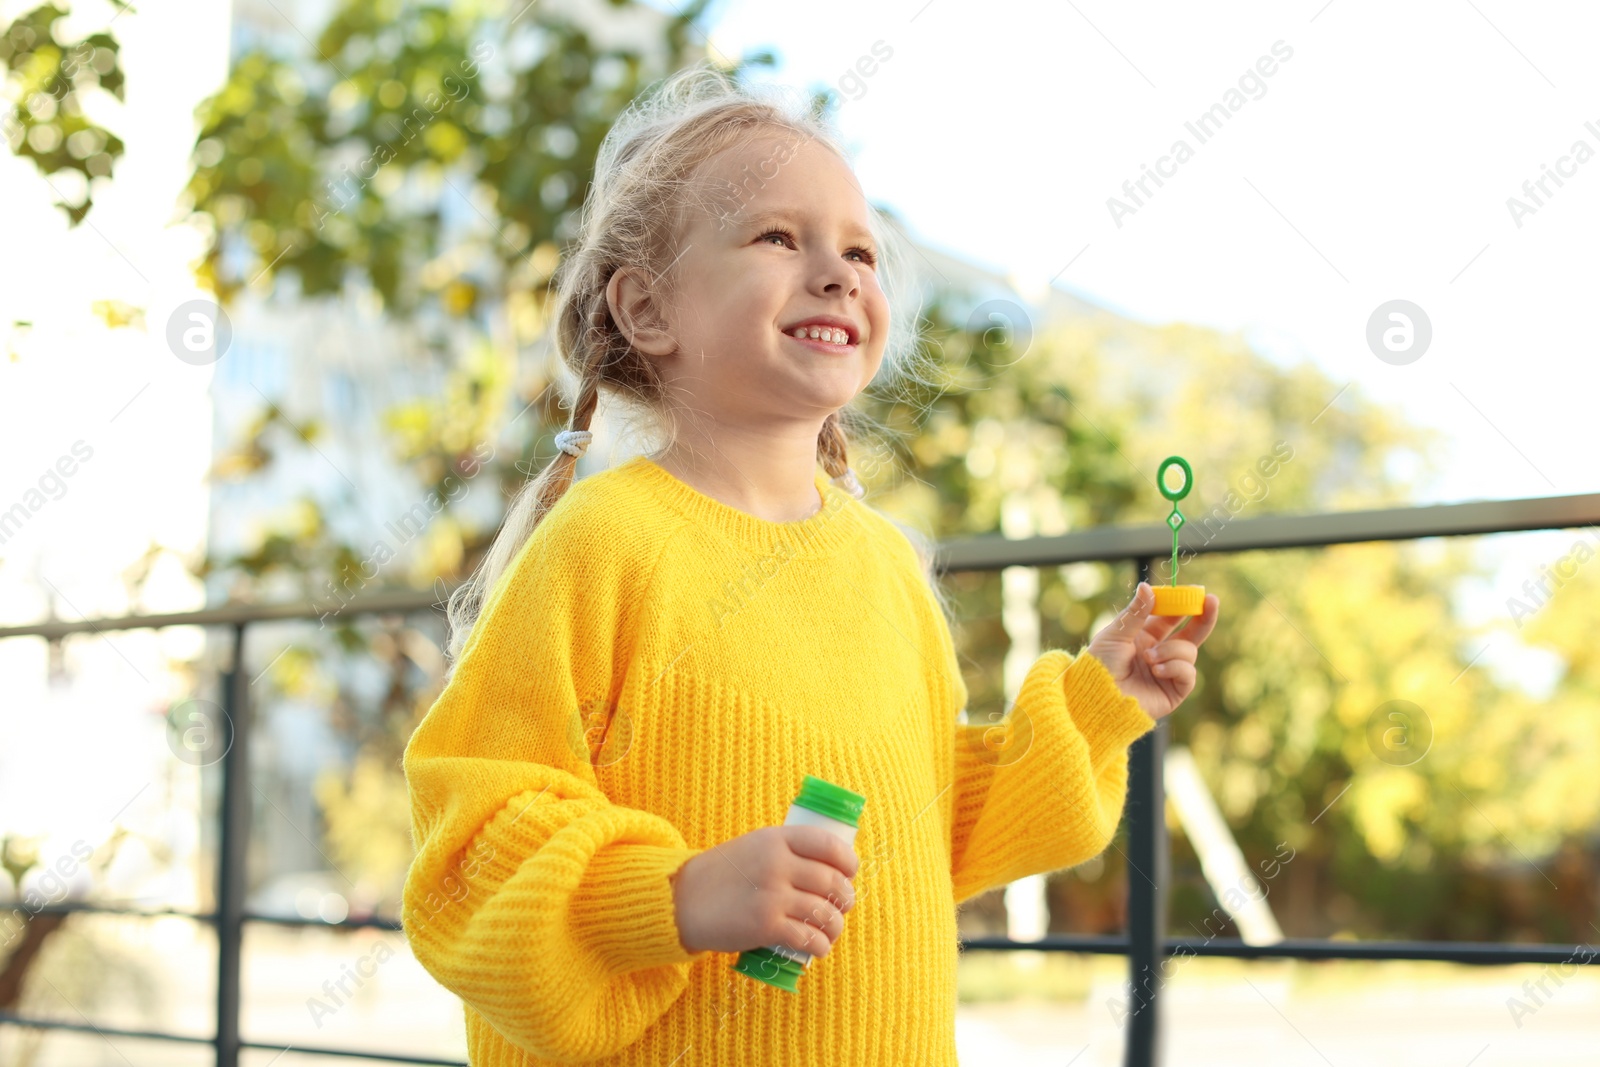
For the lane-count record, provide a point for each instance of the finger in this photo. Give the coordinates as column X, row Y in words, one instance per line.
column 1160, row 627
column 1176, row 673
column 821, row 913
column 815, row 923
column 1131, row 620
column 1176, row 648
column 815, row 843
column 825, row 880
column 1200, row 626
column 803, row 936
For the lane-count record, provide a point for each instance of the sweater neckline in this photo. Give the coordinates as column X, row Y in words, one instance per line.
column 817, row 536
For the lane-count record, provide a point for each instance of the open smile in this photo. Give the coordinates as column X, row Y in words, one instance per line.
column 820, row 345
column 825, row 333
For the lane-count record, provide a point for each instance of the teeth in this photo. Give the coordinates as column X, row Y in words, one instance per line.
column 823, row 333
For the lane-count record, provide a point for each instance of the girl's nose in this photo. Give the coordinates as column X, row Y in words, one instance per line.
column 840, row 279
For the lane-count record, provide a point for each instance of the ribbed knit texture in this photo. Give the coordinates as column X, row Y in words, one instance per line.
column 654, row 674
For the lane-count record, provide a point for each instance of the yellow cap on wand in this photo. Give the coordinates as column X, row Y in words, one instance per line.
column 1177, row 599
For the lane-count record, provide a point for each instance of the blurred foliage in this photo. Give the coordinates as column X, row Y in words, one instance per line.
column 50, row 78
column 1062, row 432
column 1489, row 835
column 333, row 167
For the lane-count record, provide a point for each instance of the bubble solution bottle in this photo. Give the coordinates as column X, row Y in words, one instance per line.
column 837, row 810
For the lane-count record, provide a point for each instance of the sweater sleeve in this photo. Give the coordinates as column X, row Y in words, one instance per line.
column 1043, row 788
column 546, row 907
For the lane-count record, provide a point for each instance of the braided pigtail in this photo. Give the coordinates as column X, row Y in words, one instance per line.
column 833, row 452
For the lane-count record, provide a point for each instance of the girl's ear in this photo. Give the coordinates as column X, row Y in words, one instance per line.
column 633, row 308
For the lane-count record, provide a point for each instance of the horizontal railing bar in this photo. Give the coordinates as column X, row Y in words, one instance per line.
column 1107, row 944
column 75, row 907
column 399, row 601
column 9, row 1019
column 377, row 922
column 1476, row 952
column 993, row 552
column 318, row 1050
column 1479, row 952
column 1115, row 543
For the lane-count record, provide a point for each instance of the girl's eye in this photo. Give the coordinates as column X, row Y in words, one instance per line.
column 866, row 254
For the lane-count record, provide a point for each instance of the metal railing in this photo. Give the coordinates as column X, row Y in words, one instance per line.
column 1145, row 943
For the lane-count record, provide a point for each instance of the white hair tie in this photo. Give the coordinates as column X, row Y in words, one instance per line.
column 574, row 442
column 850, row 483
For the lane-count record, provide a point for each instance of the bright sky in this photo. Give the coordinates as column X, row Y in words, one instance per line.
column 1372, row 164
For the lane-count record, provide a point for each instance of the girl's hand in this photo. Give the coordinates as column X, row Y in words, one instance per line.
column 779, row 885
column 1146, row 659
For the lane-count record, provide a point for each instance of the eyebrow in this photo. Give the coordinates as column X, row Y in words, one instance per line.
column 765, row 218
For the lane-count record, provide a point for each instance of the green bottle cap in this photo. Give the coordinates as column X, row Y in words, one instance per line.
column 765, row 965
column 834, row 801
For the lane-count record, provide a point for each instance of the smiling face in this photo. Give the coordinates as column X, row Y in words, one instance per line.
column 780, row 239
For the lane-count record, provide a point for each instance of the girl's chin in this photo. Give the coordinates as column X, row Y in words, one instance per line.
column 811, row 392
column 821, row 379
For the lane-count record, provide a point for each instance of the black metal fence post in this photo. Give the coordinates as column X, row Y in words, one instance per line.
column 231, row 850
column 1147, row 898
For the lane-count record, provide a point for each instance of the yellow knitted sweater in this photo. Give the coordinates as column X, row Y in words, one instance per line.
column 655, row 673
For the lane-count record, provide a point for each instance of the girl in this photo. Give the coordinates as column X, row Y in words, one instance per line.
column 651, row 658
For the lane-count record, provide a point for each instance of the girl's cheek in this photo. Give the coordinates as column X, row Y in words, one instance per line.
column 878, row 308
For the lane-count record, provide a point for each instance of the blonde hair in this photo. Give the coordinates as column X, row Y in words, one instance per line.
column 644, row 185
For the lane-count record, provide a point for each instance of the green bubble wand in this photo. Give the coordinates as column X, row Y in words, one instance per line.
column 1177, row 599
